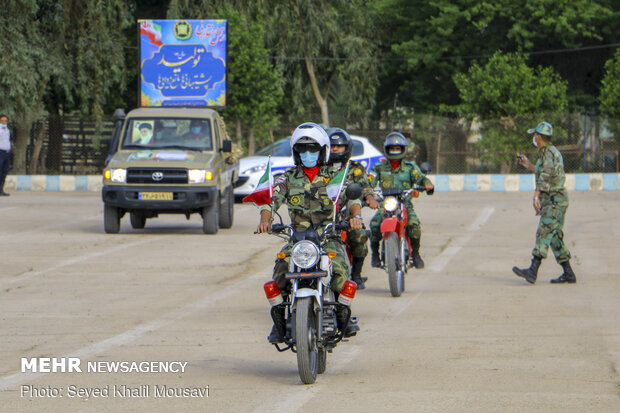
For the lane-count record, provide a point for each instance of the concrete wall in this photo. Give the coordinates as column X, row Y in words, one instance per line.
column 517, row 182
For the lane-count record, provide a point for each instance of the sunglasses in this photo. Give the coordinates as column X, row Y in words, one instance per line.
column 307, row 147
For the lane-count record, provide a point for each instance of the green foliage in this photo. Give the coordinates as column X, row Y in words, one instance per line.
column 440, row 38
column 610, row 93
column 505, row 94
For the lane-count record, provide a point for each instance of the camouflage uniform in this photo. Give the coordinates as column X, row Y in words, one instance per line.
column 308, row 205
column 357, row 238
column 407, row 175
column 550, row 179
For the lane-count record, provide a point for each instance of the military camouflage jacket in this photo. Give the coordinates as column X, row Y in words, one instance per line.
column 549, row 170
column 357, row 174
column 405, row 176
column 308, row 203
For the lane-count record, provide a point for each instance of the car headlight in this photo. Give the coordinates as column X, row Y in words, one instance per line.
column 115, row 175
column 305, row 254
column 198, row 176
column 390, row 203
column 254, row 169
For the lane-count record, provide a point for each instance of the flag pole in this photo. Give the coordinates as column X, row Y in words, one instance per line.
column 346, row 171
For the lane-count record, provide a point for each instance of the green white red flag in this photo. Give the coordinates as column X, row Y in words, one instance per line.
column 152, row 31
column 334, row 187
column 264, row 189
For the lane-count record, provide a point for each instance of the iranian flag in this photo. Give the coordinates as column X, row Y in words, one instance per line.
column 152, row 31
column 264, row 190
column 334, row 187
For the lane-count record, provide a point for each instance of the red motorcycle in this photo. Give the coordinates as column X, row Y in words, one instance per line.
column 395, row 244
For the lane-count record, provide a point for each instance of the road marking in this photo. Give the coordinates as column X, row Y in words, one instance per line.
column 65, row 263
column 444, row 258
column 11, row 381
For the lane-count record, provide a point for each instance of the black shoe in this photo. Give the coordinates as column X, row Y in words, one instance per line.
column 274, row 337
column 530, row 274
column 351, row 330
column 417, row 261
column 4, row 194
column 360, row 283
column 568, row 276
column 356, row 271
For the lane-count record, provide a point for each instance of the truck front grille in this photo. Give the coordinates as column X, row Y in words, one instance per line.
column 156, row 176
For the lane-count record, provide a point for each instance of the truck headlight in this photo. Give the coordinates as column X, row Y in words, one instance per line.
column 199, row 176
column 390, row 204
column 115, row 175
column 305, row 254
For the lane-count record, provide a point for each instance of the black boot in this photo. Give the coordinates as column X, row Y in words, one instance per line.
column 278, row 331
column 345, row 324
column 356, row 272
column 375, row 261
column 417, row 261
column 531, row 273
column 568, row 276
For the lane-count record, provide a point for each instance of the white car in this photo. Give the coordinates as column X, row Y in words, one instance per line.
column 251, row 168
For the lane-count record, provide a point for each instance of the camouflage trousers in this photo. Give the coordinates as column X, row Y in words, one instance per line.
column 414, row 230
column 549, row 233
column 356, row 240
column 340, row 265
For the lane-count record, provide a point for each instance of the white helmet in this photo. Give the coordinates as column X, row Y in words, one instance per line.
column 311, row 133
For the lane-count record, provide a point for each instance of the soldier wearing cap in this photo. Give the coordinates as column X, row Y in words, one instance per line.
column 550, row 202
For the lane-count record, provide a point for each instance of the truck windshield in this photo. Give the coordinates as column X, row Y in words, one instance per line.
column 168, row 133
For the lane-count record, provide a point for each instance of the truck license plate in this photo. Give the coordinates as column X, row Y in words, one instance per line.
column 155, row 196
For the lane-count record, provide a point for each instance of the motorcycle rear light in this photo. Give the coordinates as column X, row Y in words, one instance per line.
column 281, row 255
column 343, row 236
column 347, row 294
column 273, row 293
column 332, row 254
column 415, row 194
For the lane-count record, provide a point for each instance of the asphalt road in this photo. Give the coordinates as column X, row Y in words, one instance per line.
column 467, row 335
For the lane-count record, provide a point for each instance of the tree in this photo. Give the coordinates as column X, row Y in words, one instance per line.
column 610, row 93
column 254, row 84
column 434, row 40
column 505, row 94
column 326, row 43
column 68, row 49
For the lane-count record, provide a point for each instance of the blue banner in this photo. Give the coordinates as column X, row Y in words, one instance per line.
column 183, row 62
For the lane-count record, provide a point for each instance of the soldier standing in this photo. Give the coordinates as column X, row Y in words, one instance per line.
column 550, row 202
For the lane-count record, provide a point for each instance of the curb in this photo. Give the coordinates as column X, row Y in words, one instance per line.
column 478, row 182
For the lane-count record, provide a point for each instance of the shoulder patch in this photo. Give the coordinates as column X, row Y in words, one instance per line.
column 295, row 200
column 357, row 172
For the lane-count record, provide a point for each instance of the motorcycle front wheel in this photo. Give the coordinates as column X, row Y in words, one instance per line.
column 306, row 340
column 392, row 264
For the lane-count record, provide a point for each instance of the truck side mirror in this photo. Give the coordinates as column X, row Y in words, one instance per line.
column 226, row 145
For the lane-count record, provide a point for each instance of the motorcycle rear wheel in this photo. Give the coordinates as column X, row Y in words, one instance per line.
column 393, row 264
column 306, row 340
column 322, row 360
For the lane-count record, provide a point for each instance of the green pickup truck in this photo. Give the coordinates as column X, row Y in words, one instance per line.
column 170, row 161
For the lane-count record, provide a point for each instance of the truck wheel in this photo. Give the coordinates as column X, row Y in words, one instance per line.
column 111, row 220
column 227, row 208
column 137, row 219
column 210, row 216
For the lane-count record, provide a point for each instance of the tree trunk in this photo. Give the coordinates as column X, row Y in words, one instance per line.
column 23, row 125
column 238, row 130
column 322, row 102
column 251, row 142
column 36, row 150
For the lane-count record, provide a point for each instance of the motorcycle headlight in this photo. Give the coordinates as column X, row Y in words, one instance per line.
column 305, row 254
column 390, row 204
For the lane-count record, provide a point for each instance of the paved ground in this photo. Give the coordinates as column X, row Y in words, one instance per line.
column 467, row 335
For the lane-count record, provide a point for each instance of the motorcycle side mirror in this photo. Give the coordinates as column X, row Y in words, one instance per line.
column 353, row 191
column 426, row 168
